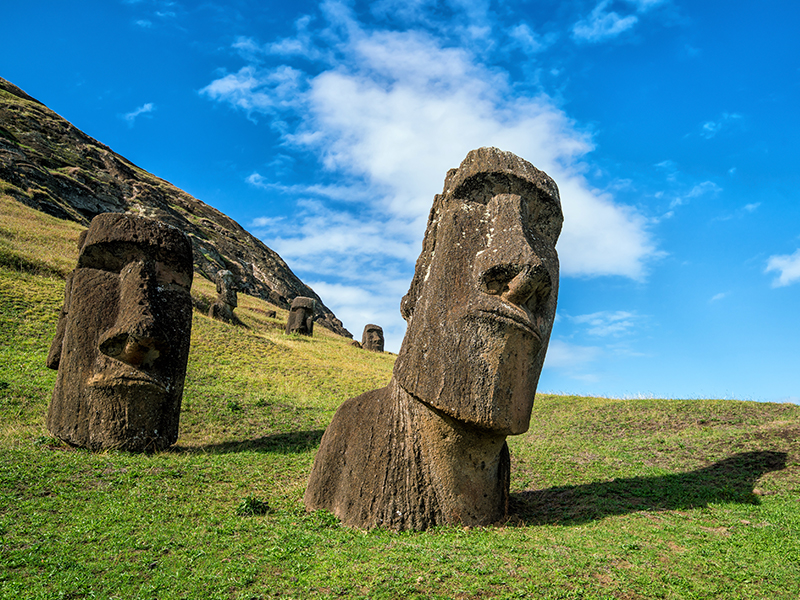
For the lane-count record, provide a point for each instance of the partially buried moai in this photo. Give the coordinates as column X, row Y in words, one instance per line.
column 227, row 299
column 372, row 338
column 301, row 316
column 430, row 448
column 122, row 340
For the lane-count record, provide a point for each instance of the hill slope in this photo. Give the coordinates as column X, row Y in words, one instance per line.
column 50, row 165
column 611, row 499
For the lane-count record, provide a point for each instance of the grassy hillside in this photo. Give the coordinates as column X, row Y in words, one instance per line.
column 612, row 498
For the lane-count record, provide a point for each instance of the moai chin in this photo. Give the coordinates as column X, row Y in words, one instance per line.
column 227, row 301
column 430, row 448
column 372, row 338
column 122, row 340
column 301, row 316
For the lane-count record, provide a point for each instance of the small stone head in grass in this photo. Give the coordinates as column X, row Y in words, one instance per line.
column 430, row 449
column 122, row 340
column 227, row 298
column 372, row 338
column 301, row 316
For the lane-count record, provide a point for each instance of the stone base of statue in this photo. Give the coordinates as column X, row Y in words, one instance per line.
column 389, row 460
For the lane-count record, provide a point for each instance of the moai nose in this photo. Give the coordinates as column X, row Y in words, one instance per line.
column 136, row 337
column 510, row 267
column 517, row 283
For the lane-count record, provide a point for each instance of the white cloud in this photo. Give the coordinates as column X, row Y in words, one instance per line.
column 563, row 355
column 788, row 267
column 386, row 118
column 255, row 90
column 142, row 110
column 608, row 323
column 530, row 42
column 705, row 188
column 341, row 193
column 709, row 129
column 717, row 297
column 645, row 5
column 601, row 25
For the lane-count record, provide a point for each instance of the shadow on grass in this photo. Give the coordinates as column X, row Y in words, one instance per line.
column 284, row 443
column 729, row 480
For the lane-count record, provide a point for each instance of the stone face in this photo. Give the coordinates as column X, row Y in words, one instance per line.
column 430, row 448
column 227, row 300
column 301, row 316
column 372, row 338
column 122, row 340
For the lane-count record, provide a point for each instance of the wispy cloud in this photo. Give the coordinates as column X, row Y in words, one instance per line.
column 564, row 355
column 718, row 297
column 530, row 42
column 705, row 188
column 710, row 129
column 608, row 323
column 144, row 109
column 602, row 24
column 787, row 266
column 645, row 5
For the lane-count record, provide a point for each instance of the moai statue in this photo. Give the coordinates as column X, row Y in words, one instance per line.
column 226, row 301
column 372, row 338
column 430, row 448
column 122, row 340
column 301, row 316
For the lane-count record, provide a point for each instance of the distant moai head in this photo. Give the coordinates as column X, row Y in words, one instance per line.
column 372, row 338
column 226, row 288
column 481, row 306
column 122, row 340
column 301, row 316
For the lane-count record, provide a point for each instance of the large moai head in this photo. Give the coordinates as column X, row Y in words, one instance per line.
column 226, row 288
column 301, row 316
column 372, row 338
column 122, row 341
column 483, row 298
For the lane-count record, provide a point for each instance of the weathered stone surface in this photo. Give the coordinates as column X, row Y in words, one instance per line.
column 50, row 165
column 301, row 316
column 430, row 448
column 222, row 309
column 372, row 338
column 122, row 340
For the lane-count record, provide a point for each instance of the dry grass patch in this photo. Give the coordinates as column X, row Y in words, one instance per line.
column 36, row 242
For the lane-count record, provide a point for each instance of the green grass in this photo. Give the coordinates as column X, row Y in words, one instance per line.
column 611, row 498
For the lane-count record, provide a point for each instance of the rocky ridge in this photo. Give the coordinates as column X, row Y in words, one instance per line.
column 50, row 165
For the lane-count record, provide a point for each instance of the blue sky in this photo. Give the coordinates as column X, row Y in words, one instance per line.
column 325, row 128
